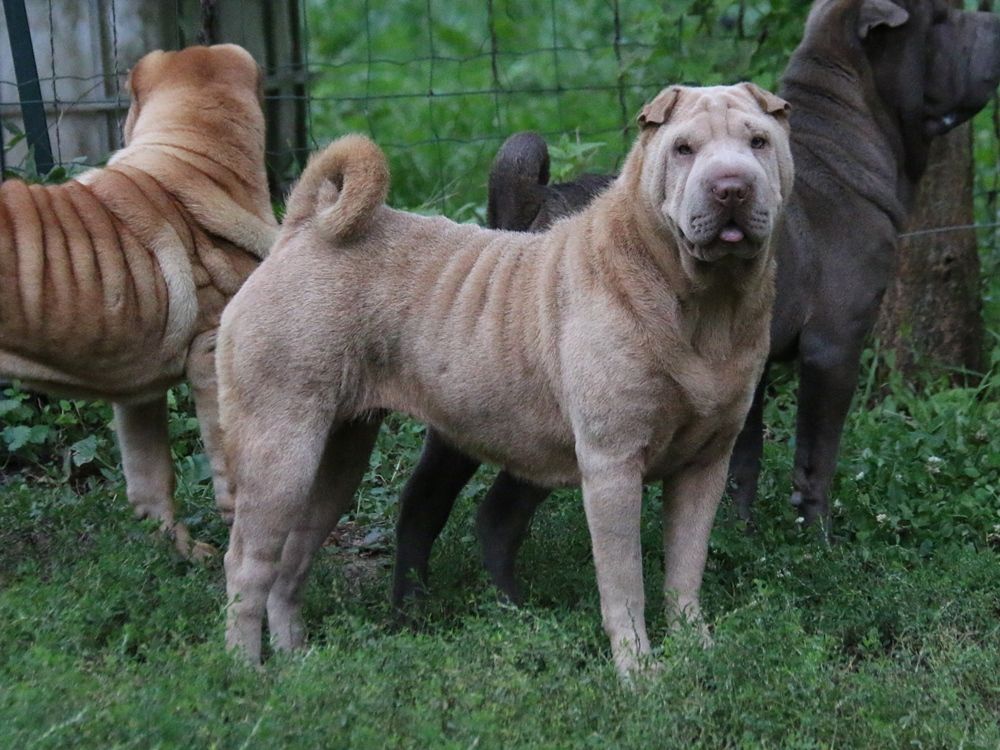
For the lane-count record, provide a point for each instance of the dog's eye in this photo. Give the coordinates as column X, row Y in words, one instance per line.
column 758, row 142
column 683, row 149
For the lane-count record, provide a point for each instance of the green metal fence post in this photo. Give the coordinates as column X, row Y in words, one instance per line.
column 29, row 91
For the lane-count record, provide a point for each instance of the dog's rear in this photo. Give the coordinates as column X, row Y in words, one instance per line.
column 520, row 196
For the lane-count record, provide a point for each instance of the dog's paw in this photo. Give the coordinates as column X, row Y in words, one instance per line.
column 201, row 552
column 191, row 549
column 640, row 672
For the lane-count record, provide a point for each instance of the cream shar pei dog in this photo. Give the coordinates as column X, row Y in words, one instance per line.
column 621, row 346
column 114, row 283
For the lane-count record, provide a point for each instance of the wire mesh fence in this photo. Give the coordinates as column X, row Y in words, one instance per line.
column 438, row 84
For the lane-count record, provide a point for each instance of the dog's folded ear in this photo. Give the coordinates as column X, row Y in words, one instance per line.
column 143, row 75
column 141, row 78
column 658, row 111
column 874, row 13
column 769, row 103
column 133, row 84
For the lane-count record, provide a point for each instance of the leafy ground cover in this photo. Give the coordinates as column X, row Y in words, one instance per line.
column 888, row 637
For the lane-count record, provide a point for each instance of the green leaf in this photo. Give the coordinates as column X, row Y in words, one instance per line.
column 8, row 405
column 39, row 433
column 17, row 436
column 84, row 451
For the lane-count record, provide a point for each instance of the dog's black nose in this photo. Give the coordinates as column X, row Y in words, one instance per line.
column 730, row 191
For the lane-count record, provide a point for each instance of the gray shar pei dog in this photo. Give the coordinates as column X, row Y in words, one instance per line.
column 870, row 85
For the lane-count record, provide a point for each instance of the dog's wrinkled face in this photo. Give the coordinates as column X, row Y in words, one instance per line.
column 717, row 167
column 963, row 66
column 936, row 66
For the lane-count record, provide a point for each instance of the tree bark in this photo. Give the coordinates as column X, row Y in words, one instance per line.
column 931, row 315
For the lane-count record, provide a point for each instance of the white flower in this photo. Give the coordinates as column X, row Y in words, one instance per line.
column 859, row 476
column 934, row 464
column 881, row 518
column 800, row 520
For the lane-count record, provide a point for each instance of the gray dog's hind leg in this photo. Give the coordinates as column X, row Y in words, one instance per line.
column 424, row 507
column 426, row 502
column 502, row 524
column 744, row 466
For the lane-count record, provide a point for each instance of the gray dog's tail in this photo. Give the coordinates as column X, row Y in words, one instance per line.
column 340, row 189
column 520, row 169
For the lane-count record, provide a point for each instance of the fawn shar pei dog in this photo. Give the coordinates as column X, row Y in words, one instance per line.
column 114, row 282
column 620, row 346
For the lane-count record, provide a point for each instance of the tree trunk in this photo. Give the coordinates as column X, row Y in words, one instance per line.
column 931, row 316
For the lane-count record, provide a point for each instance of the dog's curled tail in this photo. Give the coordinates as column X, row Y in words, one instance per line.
column 340, row 189
column 521, row 166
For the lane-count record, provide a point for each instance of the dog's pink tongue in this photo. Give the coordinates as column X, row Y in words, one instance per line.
column 731, row 233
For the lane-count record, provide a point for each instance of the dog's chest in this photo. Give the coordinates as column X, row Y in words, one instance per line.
column 701, row 409
column 695, row 441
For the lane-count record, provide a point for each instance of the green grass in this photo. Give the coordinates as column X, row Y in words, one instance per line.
column 887, row 638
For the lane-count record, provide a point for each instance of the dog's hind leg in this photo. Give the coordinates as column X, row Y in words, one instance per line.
column 744, row 466
column 344, row 461
column 273, row 458
column 502, row 524
column 143, row 439
column 204, row 387
column 424, row 507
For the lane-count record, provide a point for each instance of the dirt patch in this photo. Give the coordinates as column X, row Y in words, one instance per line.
column 364, row 552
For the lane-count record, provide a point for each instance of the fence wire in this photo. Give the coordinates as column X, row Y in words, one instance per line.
column 438, row 84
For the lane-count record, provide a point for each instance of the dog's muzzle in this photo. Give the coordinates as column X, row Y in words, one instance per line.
column 730, row 224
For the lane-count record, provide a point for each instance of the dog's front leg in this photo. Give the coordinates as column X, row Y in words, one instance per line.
column 828, row 376
column 143, row 439
column 612, row 498
column 690, row 500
